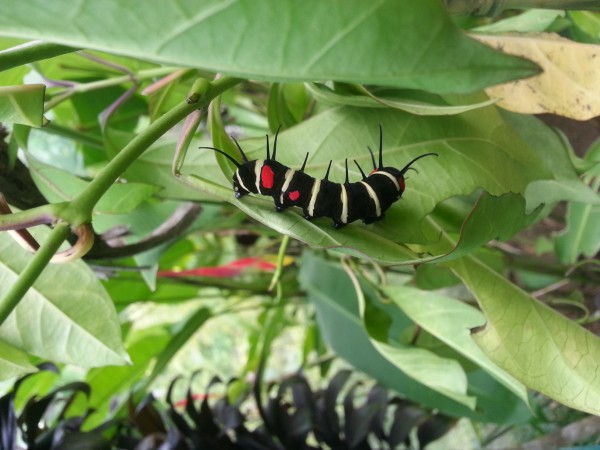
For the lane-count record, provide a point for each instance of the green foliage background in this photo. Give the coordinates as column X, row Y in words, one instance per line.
column 329, row 73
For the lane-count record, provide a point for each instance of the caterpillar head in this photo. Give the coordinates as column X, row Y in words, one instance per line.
column 242, row 173
column 395, row 174
column 398, row 174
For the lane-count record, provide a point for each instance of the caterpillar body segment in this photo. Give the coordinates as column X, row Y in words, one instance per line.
column 366, row 200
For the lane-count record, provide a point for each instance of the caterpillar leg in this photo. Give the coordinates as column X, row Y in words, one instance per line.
column 337, row 225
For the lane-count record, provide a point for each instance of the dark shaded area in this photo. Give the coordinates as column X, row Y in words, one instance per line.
column 16, row 183
column 581, row 134
column 292, row 416
column 19, row 190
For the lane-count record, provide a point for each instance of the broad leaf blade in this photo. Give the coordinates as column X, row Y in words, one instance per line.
column 491, row 218
column 333, row 295
column 411, row 44
column 67, row 315
column 537, row 345
column 450, row 321
column 475, row 150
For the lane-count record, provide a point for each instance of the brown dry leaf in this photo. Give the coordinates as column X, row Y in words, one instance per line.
column 569, row 85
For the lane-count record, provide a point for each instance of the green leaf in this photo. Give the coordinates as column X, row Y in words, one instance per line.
column 125, row 291
column 71, row 321
column 583, row 221
column 397, row 100
column 491, row 218
column 22, row 104
column 385, row 324
column 535, row 20
column 450, row 320
column 13, row 362
column 287, row 104
column 503, row 406
column 411, row 44
column 59, row 185
column 537, row 345
column 332, row 292
column 553, row 191
column 588, row 22
column 556, row 153
column 475, row 150
column 581, row 236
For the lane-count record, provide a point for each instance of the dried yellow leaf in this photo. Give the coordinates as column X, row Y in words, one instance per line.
column 569, row 85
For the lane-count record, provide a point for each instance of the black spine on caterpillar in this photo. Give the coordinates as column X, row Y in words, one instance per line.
column 365, row 200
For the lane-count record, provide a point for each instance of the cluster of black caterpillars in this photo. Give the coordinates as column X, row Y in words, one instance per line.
column 365, row 200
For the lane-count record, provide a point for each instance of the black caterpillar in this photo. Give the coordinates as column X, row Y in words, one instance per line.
column 367, row 199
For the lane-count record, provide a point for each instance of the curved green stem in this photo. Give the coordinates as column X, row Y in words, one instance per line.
column 78, row 88
column 44, row 214
column 280, row 262
column 79, row 211
column 33, row 270
column 30, row 52
column 80, row 208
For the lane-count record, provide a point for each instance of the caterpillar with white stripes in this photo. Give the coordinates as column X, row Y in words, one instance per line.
column 365, row 200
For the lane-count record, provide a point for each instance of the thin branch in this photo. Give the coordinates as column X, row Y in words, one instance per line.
column 171, row 229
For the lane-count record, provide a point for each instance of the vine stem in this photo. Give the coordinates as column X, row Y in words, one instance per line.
column 79, row 210
column 280, row 262
column 79, row 88
column 33, row 269
column 31, row 52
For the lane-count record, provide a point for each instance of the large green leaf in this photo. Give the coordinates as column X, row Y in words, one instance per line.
column 450, row 321
column 537, row 345
column 475, row 150
column 333, row 294
column 491, row 218
column 386, row 327
column 67, row 315
column 410, row 44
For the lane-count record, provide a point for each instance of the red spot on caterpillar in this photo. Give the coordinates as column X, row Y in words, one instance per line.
column 401, row 184
column 267, row 177
column 376, row 170
column 294, row 195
